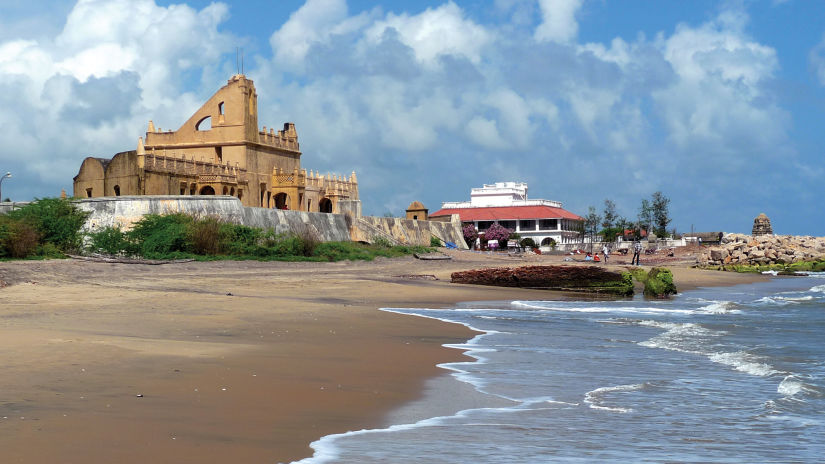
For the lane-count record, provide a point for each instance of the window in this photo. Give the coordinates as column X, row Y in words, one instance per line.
column 117, row 190
column 220, row 108
column 183, row 188
column 508, row 224
column 548, row 224
column 192, row 189
column 484, row 225
column 88, row 193
column 528, row 224
column 204, row 124
column 219, row 154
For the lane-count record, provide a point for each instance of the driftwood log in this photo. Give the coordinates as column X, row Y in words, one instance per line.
column 568, row 278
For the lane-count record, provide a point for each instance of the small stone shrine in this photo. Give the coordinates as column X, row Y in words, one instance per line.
column 762, row 225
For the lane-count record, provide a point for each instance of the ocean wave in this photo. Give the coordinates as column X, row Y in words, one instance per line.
column 818, row 289
column 720, row 307
column 792, row 387
column 543, row 307
column 744, row 362
column 778, row 300
column 595, row 398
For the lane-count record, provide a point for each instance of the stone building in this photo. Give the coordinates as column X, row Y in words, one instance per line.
column 220, row 150
column 417, row 211
column 762, row 225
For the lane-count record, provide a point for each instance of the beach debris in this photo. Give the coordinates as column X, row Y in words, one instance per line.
column 139, row 395
column 566, row 278
column 417, row 276
column 436, row 256
column 229, row 294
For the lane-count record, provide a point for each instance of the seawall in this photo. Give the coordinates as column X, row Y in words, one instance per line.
column 126, row 210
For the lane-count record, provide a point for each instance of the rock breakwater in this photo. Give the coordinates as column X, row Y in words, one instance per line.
column 741, row 249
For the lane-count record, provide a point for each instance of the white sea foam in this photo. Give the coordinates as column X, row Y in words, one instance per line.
column 720, row 307
column 686, row 337
column 818, row 289
column 744, row 362
column 542, row 306
column 595, row 398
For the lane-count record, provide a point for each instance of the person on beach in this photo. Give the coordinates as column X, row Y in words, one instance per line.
column 637, row 250
column 606, row 252
column 596, row 257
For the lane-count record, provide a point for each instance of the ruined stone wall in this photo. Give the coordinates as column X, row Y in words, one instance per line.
column 126, row 210
column 407, row 231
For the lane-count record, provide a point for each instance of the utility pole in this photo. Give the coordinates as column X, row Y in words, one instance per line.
column 8, row 174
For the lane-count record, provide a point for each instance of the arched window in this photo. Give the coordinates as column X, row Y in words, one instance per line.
column 232, row 191
column 282, row 201
column 204, row 124
column 225, row 190
column 325, row 205
column 207, row 190
column 192, row 189
column 117, row 190
column 220, row 108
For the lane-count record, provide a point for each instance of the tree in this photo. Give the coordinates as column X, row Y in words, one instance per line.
column 470, row 234
column 609, row 214
column 660, row 213
column 645, row 216
column 591, row 224
column 498, row 232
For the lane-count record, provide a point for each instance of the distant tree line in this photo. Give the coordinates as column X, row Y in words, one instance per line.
column 653, row 217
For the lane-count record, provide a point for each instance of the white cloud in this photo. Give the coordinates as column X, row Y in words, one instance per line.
column 816, row 57
column 311, row 23
column 435, row 32
column 558, row 20
column 717, row 97
column 114, row 65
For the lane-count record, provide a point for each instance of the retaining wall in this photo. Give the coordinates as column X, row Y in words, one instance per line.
column 124, row 211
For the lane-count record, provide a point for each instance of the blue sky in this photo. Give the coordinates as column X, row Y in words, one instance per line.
column 721, row 106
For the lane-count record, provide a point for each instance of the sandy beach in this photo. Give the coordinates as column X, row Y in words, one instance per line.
column 226, row 361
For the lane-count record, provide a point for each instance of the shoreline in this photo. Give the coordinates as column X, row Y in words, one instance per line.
column 245, row 360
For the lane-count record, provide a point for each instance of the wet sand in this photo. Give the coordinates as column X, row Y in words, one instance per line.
column 225, row 361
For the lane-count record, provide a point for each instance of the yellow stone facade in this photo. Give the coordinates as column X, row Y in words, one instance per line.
column 220, row 150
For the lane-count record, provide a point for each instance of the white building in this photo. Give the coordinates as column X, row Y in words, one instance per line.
column 506, row 203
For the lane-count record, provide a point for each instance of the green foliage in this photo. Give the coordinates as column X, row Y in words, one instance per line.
column 528, row 242
column 609, row 214
column 162, row 236
column 799, row 266
column 553, row 243
column 381, row 242
column 18, row 239
column 110, row 240
column 57, row 221
column 435, row 242
column 661, row 215
column 659, row 283
column 610, row 234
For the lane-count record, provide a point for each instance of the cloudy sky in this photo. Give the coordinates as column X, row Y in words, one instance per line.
column 721, row 106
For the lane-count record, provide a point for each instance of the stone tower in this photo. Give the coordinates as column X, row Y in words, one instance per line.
column 762, row 225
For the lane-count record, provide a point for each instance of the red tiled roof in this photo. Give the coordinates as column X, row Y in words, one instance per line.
column 503, row 213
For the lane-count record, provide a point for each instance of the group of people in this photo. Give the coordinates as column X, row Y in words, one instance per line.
column 637, row 251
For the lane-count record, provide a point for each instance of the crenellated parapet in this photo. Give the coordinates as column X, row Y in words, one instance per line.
column 286, row 139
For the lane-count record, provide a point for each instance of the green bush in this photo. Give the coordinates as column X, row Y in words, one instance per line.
column 435, row 242
column 57, row 220
column 18, row 239
column 110, row 240
column 205, row 236
column 162, row 236
column 528, row 242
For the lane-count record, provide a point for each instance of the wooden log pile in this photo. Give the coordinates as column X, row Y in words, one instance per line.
column 568, row 278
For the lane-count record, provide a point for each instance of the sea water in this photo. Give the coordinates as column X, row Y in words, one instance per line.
column 714, row 375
